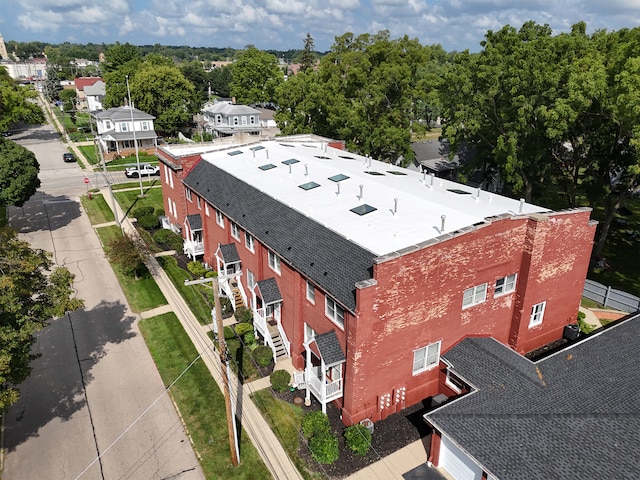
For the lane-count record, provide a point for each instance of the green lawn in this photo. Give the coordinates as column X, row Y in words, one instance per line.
column 199, row 401
column 142, row 294
column 146, row 183
column 89, row 152
column 130, row 199
column 97, row 209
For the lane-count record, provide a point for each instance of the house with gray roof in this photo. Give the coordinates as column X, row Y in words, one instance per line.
column 223, row 118
column 120, row 130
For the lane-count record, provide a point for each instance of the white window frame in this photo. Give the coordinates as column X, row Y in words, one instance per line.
column 171, row 178
column 235, row 231
column 175, row 210
column 199, row 203
column 124, row 127
column 170, row 207
column 274, row 262
column 145, row 125
column 311, row 292
column 426, row 358
column 187, row 193
column 451, row 383
column 219, row 218
column 251, row 279
column 206, row 209
column 309, row 333
column 537, row 314
column 333, row 311
column 249, row 242
column 474, row 296
column 505, row 285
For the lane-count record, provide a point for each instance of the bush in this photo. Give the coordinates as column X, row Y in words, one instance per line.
column 314, row 423
column 280, row 380
column 243, row 328
column 263, row 355
column 249, row 338
column 197, row 268
column 324, row 447
column 358, row 439
column 149, row 222
column 169, row 238
column 142, row 211
column 244, row 314
column 229, row 333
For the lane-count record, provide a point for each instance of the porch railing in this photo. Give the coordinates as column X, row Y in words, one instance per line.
column 193, row 248
column 324, row 391
column 260, row 322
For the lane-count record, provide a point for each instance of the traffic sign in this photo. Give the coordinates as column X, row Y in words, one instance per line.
column 86, row 180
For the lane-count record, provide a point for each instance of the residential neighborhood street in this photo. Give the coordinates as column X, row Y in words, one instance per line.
column 95, row 406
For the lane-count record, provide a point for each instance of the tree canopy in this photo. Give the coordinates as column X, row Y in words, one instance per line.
column 31, row 292
column 255, row 77
column 18, row 173
column 17, row 103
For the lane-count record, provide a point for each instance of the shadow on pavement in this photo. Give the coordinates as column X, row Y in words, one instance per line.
column 55, row 389
column 44, row 212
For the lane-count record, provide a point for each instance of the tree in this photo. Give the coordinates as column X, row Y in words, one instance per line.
column 256, row 75
column 16, row 103
column 18, row 173
column 128, row 254
column 31, row 292
column 308, row 56
column 220, row 79
column 194, row 72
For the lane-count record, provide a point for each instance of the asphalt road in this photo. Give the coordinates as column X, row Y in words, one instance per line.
column 94, row 406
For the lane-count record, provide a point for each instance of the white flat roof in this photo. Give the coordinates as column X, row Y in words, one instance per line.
column 408, row 206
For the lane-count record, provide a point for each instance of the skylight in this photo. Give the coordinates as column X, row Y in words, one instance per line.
column 291, row 161
column 322, row 157
column 235, row 152
column 256, row 148
column 267, row 166
column 363, row 209
column 347, row 157
column 458, row 191
column 287, row 145
column 375, row 174
column 395, row 172
column 309, row 185
column 338, row 178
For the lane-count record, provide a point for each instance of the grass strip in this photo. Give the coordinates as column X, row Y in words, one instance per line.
column 199, row 401
column 97, row 209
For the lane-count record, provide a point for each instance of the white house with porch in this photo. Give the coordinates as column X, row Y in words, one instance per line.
column 119, row 129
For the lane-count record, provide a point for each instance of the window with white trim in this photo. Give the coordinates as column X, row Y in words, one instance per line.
column 334, row 311
column 145, row 125
column 175, row 210
column 219, row 218
column 124, row 127
column 187, row 193
column 474, row 295
column 453, row 382
column 309, row 333
column 199, row 203
column 274, row 262
column 426, row 358
column 206, row 209
column 235, row 231
column 311, row 292
column 537, row 313
column 166, row 174
column 171, row 178
column 251, row 279
column 248, row 241
column 170, row 206
column 505, row 285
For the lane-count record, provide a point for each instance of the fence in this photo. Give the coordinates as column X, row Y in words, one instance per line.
column 610, row 297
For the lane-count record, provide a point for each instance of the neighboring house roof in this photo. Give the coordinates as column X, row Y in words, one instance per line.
column 269, row 291
column 229, row 253
column 112, row 135
column 572, row 415
column 329, row 348
column 97, row 89
column 83, row 82
column 122, row 114
column 434, row 155
column 194, row 221
column 226, row 108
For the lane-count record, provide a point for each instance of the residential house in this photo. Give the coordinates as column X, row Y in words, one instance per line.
column 364, row 273
column 224, row 118
column 120, row 128
column 96, row 89
column 572, row 415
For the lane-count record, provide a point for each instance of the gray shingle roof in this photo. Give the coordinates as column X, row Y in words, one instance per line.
column 194, row 221
column 329, row 348
column 269, row 291
column 116, row 114
column 329, row 260
column 229, row 253
column 573, row 415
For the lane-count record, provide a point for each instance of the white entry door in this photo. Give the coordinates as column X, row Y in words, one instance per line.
column 457, row 463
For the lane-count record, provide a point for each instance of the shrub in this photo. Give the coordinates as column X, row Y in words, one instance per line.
column 149, row 222
column 314, row 423
column 249, row 338
column 169, row 238
column 197, row 268
column 244, row 314
column 142, row 211
column 324, row 447
column 280, row 380
column 263, row 355
column 229, row 333
column 243, row 328
column 128, row 254
column 358, row 439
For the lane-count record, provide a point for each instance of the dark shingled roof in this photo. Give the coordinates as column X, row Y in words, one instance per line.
column 329, row 260
column 229, row 253
column 329, row 348
column 194, row 221
column 269, row 291
column 573, row 415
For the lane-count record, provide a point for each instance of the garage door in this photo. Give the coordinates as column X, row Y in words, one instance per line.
column 457, row 463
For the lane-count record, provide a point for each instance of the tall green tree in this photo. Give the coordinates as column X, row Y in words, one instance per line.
column 18, row 173
column 255, row 77
column 220, row 79
column 308, row 56
column 31, row 292
column 17, row 103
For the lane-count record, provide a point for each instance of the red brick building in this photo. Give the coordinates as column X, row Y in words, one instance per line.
column 365, row 273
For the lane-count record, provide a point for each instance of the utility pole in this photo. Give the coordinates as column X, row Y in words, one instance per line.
column 225, row 371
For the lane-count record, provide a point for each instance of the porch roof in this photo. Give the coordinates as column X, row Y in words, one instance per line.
column 330, row 348
column 229, row 253
column 269, row 291
column 194, row 221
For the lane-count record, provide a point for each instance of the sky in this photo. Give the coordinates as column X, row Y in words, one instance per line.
column 284, row 24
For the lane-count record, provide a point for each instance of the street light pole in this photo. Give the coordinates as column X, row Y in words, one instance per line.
column 135, row 142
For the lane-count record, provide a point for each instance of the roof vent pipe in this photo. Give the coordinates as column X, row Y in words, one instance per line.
column 338, row 192
column 521, row 204
column 424, row 177
column 361, row 192
column 306, row 169
column 289, row 169
column 267, row 150
column 432, row 177
column 395, row 205
column 254, row 153
column 442, row 219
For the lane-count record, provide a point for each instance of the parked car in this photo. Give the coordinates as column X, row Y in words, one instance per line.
column 68, row 157
column 145, row 169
